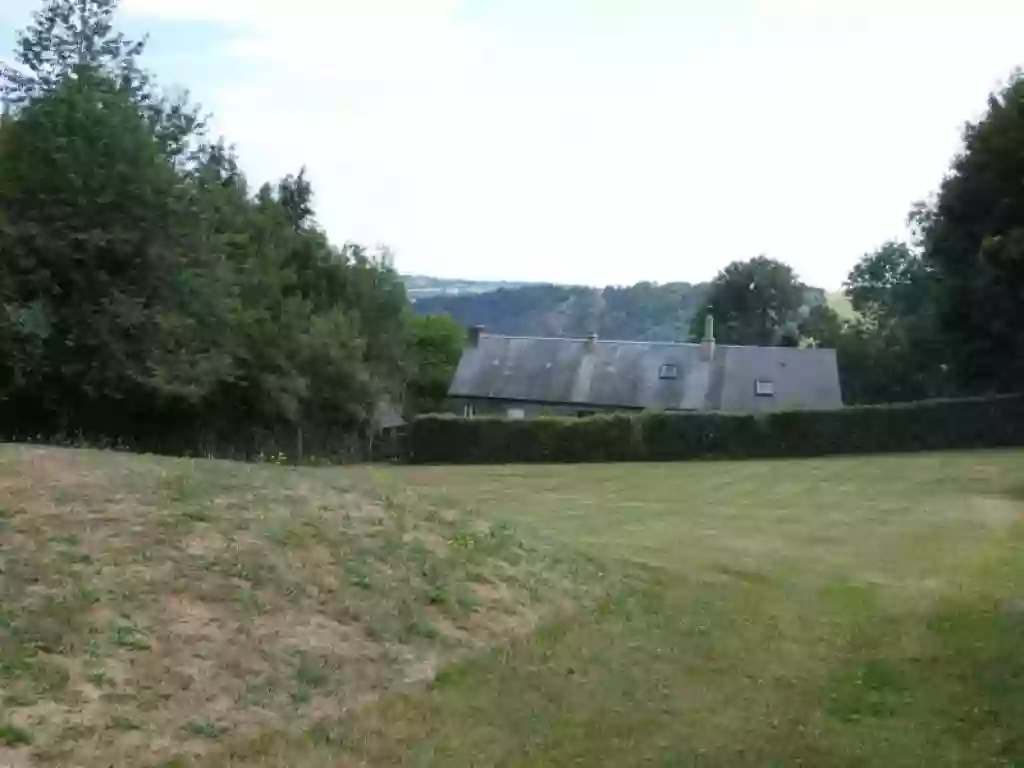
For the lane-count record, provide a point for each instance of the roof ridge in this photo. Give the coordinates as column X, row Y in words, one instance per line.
column 658, row 342
column 585, row 340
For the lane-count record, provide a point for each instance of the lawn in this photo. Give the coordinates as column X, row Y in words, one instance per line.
column 847, row 611
column 841, row 612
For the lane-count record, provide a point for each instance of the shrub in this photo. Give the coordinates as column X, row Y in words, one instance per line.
column 454, row 440
column 662, row 436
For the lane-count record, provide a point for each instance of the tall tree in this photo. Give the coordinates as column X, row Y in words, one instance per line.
column 973, row 237
column 893, row 350
column 753, row 302
column 92, row 207
column 889, row 283
column 68, row 36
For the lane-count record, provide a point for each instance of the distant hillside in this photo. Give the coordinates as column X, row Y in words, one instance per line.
column 645, row 311
column 421, row 286
column 840, row 302
column 641, row 312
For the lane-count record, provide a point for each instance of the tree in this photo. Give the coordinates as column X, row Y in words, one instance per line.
column 752, row 302
column 92, row 207
column 435, row 348
column 821, row 327
column 973, row 239
column 890, row 283
column 72, row 36
column 893, row 351
column 146, row 296
column 295, row 195
column 69, row 36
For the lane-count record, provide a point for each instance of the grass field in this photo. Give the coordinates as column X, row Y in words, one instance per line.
column 840, row 612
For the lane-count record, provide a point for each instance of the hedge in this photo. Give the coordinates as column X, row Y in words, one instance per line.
column 930, row 425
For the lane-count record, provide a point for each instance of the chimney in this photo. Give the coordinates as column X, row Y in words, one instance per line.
column 475, row 332
column 707, row 344
column 591, row 342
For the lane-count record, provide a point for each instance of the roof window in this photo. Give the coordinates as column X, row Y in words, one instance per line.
column 764, row 388
column 668, row 371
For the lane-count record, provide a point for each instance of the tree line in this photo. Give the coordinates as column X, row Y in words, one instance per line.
column 150, row 296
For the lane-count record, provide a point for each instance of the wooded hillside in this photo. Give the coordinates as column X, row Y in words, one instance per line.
column 641, row 312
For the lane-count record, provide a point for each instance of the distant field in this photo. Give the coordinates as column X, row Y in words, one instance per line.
column 840, row 612
column 844, row 612
column 840, row 303
column 422, row 287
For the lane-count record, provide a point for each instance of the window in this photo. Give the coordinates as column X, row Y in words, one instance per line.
column 668, row 371
column 468, row 411
column 516, row 414
column 764, row 388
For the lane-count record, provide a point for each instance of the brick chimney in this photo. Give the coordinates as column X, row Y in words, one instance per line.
column 707, row 344
column 475, row 332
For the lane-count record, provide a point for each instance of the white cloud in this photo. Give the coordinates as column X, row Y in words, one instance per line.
column 611, row 142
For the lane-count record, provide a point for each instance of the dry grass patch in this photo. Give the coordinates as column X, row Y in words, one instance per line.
column 166, row 612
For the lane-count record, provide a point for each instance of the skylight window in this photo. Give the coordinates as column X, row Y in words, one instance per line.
column 668, row 371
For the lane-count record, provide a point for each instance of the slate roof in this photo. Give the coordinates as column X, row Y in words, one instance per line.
column 626, row 374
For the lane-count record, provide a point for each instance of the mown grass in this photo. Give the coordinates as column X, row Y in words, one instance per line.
column 845, row 612
column 842, row 612
column 167, row 612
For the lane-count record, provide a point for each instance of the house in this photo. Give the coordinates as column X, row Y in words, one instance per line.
column 520, row 377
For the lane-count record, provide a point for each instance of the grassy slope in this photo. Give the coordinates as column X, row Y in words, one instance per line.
column 840, row 303
column 842, row 612
column 163, row 612
column 855, row 611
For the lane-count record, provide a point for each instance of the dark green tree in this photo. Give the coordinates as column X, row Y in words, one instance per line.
column 821, row 326
column 69, row 36
column 752, row 302
column 893, row 351
column 147, row 297
column 92, row 207
column 295, row 195
column 973, row 238
column 890, row 283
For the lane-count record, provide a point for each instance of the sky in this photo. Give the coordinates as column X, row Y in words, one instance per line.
column 591, row 141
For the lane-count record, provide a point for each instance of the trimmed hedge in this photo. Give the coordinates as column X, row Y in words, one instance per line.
column 931, row 425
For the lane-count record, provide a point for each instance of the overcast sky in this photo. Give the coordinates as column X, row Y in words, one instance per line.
column 592, row 141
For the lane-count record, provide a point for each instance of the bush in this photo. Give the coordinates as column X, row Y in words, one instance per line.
column 453, row 440
column 930, row 425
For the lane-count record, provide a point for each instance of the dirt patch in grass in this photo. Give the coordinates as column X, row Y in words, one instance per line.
column 15, row 758
column 156, row 610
